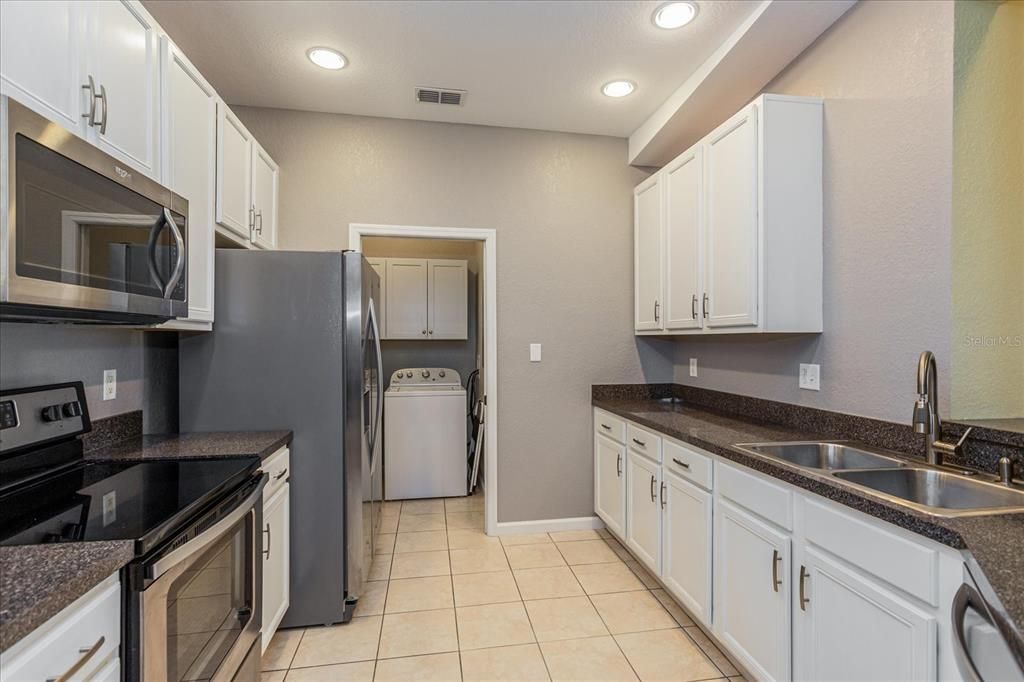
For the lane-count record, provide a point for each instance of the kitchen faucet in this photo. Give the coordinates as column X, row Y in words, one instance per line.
column 926, row 412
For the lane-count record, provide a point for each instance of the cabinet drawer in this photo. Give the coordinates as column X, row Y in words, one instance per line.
column 277, row 465
column 643, row 441
column 688, row 462
column 771, row 501
column 56, row 646
column 900, row 561
column 609, row 425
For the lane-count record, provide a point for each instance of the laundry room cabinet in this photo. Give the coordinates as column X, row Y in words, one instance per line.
column 426, row 299
column 728, row 235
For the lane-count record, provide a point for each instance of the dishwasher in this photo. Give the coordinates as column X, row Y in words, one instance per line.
column 982, row 655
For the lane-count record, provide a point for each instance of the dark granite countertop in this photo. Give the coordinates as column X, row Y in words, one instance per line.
column 37, row 581
column 991, row 545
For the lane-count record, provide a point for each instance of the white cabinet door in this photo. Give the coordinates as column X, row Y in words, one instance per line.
column 40, row 58
column 683, row 236
column 189, row 138
column 643, row 510
column 647, row 253
column 121, row 55
column 264, row 198
column 732, row 276
column 234, row 173
column 380, row 266
column 686, row 545
column 276, row 555
column 752, row 591
column 850, row 628
column 407, row 298
column 447, row 299
column 610, row 483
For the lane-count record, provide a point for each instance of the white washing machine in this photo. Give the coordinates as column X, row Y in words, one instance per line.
column 424, row 434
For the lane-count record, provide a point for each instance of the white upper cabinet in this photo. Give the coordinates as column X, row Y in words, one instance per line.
column 734, row 236
column 380, row 266
column 40, row 58
column 121, row 57
column 234, row 174
column 732, row 222
column 684, row 200
column 648, row 254
column 264, row 198
column 407, row 298
column 92, row 67
column 189, row 156
column 447, row 299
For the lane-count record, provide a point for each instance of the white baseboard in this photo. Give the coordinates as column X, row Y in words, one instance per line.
column 548, row 525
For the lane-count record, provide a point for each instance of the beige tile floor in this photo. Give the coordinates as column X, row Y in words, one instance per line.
column 446, row 602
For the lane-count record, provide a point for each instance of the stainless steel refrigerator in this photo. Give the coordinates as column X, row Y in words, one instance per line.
column 296, row 346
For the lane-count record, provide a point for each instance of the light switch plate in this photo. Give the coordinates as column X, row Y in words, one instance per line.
column 109, row 384
column 810, row 377
column 534, row 352
column 693, row 367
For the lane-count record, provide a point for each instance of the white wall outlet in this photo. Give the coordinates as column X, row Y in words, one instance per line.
column 109, row 508
column 810, row 377
column 109, row 384
column 693, row 367
column 534, row 352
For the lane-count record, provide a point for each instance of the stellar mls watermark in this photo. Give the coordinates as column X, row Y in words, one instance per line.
column 994, row 341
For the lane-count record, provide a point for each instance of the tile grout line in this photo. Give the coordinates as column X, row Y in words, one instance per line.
column 455, row 612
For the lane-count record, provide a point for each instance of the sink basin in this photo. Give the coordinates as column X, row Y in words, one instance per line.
column 938, row 490
column 827, row 456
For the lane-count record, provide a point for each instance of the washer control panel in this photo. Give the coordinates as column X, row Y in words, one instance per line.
column 418, row 376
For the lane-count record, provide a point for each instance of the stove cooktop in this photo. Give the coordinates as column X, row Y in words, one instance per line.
column 144, row 501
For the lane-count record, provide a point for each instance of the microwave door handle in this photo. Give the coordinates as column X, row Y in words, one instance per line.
column 154, row 268
column 179, row 265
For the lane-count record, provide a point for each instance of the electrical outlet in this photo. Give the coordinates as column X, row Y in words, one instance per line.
column 109, row 508
column 810, row 377
column 693, row 367
column 109, row 384
column 534, row 352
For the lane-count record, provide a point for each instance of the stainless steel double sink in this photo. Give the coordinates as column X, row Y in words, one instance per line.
column 928, row 489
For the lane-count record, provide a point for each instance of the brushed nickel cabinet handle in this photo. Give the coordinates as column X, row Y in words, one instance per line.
column 653, row 496
column 606, row 427
column 804, row 601
column 106, row 110
column 640, row 443
column 91, row 88
column 280, row 474
column 656, row 316
column 682, row 464
column 776, row 560
column 87, row 654
column 663, row 494
column 266, row 552
column 704, row 305
column 258, row 223
column 693, row 307
column 618, row 465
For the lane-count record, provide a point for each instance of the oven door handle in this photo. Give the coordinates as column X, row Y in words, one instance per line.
column 208, row 536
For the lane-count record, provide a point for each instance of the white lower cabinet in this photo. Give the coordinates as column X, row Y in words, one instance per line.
column 751, row 591
column 81, row 642
column 643, row 510
column 686, row 545
column 276, row 544
column 842, row 616
column 610, row 483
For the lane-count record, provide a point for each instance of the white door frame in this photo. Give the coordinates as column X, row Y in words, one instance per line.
column 356, row 232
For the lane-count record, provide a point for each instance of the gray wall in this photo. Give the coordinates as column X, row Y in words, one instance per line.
column 34, row 354
column 562, row 208
column 885, row 70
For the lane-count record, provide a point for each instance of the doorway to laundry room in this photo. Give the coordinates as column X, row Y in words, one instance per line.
column 434, row 321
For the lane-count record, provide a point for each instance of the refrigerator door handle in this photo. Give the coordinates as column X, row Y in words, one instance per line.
column 375, row 431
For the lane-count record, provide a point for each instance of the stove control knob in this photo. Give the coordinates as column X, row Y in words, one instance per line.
column 441, row 374
column 71, row 409
column 51, row 413
column 425, row 373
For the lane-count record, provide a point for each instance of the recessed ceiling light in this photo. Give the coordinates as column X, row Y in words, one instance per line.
column 674, row 14
column 618, row 88
column 326, row 58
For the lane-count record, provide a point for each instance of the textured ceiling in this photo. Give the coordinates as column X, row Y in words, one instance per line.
column 525, row 64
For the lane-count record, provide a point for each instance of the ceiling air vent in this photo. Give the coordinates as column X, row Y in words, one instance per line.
column 440, row 96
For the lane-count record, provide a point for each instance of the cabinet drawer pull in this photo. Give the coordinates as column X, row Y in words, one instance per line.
column 804, row 601
column 266, row 552
column 606, row 427
column 281, row 474
column 640, row 443
column 653, row 496
column 87, row 654
column 663, row 494
column 682, row 464
column 618, row 465
column 776, row 560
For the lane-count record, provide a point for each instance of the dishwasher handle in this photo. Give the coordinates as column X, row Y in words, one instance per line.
column 965, row 597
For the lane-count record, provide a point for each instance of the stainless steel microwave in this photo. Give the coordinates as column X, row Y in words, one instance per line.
column 83, row 236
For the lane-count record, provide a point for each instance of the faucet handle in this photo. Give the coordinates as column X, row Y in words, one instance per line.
column 960, row 443
column 957, row 449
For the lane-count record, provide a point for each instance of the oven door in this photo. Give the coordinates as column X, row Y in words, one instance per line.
column 198, row 616
column 86, row 238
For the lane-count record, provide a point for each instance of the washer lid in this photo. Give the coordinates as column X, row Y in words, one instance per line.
column 426, row 376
